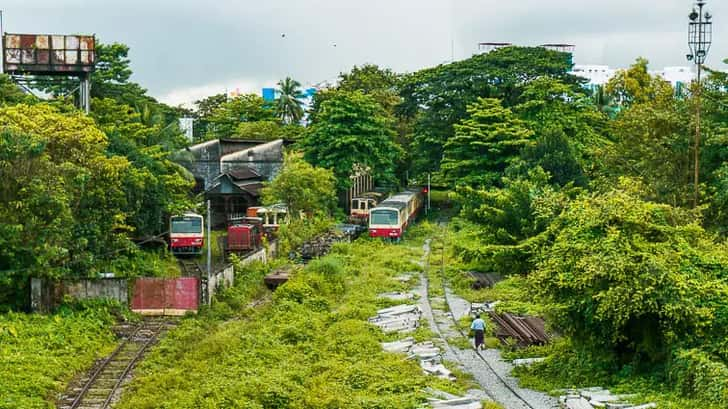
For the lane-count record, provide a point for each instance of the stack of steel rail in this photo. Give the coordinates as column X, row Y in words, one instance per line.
column 524, row 330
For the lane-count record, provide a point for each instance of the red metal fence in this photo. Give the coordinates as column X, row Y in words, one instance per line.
column 165, row 296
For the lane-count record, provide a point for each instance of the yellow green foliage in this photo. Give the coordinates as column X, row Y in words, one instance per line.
column 40, row 353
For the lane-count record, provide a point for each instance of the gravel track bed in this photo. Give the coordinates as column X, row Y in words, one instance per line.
column 487, row 367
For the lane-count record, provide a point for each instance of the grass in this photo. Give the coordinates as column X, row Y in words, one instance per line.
column 39, row 354
column 310, row 347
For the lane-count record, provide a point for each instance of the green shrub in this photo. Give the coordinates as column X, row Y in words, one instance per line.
column 697, row 374
column 40, row 353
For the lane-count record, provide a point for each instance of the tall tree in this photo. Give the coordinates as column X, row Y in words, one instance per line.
column 437, row 98
column 204, row 109
column 569, row 130
column 224, row 120
column 62, row 204
column 289, row 107
column 352, row 129
column 635, row 85
column 484, row 144
column 651, row 135
column 370, row 79
column 302, row 187
column 155, row 187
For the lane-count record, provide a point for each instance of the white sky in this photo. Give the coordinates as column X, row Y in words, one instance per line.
column 183, row 50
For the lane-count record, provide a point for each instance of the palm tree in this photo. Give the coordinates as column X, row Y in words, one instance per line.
column 289, row 102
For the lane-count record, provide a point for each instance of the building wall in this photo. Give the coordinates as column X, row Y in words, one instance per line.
column 46, row 295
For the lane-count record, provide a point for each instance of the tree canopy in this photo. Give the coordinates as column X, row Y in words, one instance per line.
column 484, row 144
column 302, row 187
column 352, row 129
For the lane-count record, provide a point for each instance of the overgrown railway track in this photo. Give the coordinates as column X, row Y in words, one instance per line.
column 513, row 399
column 103, row 386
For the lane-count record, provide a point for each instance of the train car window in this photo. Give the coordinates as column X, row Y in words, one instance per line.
column 187, row 225
column 355, row 204
column 385, row 217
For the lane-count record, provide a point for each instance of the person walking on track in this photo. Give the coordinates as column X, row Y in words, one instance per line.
column 478, row 327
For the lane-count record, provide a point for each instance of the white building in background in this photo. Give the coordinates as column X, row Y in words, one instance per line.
column 599, row 75
column 596, row 74
column 677, row 76
column 187, row 126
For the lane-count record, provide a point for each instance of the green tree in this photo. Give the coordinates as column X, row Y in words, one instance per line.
column 635, row 85
column 569, row 130
column 203, row 111
column 352, row 129
column 289, row 107
column 714, row 149
column 224, row 120
column 633, row 277
column 651, row 136
column 484, row 144
column 370, row 79
column 506, row 225
column 154, row 185
column 302, row 187
column 437, row 98
column 62, row 204
column 267, row 130
column 11, row 94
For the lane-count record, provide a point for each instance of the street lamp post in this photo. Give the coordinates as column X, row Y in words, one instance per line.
column 700, row 35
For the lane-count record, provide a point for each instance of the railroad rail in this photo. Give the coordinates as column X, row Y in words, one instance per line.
column 191, row 268
column 103, row 386
column 495, row 374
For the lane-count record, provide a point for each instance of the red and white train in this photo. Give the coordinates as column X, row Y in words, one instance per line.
column 391, row 217
column 186, row 233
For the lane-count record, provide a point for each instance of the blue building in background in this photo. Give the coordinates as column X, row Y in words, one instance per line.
column 269, row 94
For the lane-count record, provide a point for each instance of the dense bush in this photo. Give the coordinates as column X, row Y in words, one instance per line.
column 39, row 353
column 634, row 277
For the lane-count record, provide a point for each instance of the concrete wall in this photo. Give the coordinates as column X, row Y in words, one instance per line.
column 222, row 279
column 45, row 295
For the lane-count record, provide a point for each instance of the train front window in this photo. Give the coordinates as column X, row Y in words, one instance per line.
column 187, row 225
column 383, row 217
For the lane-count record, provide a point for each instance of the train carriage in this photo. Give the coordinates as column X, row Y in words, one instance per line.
column 186, row 234
column 361, row 205
column 391, row 217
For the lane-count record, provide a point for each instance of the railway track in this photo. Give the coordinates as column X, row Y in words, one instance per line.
column 103, row 386
column 191, row 268
column 507, row 394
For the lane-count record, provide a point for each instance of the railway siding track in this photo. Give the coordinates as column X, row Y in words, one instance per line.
column 103, row 386
column 486, row 367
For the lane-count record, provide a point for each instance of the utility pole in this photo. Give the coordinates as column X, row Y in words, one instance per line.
column 428, row 193
column 209, row 252
column 700, row 35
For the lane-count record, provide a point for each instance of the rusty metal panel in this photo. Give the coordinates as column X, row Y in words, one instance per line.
column 148, row 294
column 160, row 296
column 49, row 54
column 42, row 42
column 184, row 293
column 12, row 41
